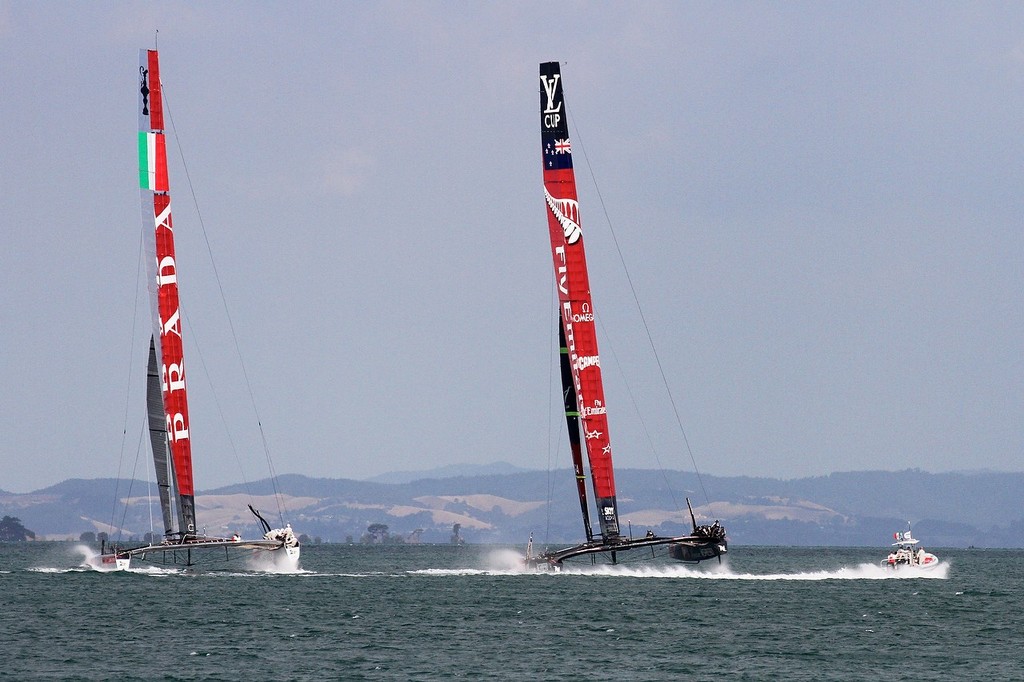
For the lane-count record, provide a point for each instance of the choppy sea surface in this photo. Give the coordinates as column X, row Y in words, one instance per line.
column 422, row 612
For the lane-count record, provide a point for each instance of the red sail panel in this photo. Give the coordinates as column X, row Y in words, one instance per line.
column 172, row 371
column 164, row 282
column 575, row 305
column 152, row 82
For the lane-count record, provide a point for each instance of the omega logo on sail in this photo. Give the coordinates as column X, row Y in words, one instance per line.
column 584, row 315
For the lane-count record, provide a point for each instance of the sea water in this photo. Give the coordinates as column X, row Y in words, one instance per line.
column 439, row 612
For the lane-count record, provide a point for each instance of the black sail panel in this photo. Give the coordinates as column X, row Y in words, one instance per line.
column 572, row 420
column 158, row 439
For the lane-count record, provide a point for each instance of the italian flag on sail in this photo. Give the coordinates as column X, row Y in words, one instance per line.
column 152, row 162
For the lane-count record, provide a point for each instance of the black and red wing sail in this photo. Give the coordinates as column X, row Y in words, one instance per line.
column 575, row 306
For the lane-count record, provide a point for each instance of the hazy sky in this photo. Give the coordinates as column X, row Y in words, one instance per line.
column 820, row 207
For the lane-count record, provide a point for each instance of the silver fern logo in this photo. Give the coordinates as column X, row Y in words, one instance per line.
column 567, row 213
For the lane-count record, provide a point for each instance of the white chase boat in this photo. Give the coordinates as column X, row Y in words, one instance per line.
column 906, row 553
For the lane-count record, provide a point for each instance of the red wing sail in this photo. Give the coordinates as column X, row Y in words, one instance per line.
column 159, row 231
column 575, row 306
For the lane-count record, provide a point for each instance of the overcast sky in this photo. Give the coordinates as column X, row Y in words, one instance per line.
column 819, row 205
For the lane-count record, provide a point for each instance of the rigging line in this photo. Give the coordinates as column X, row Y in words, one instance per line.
column 131, row 481
column 636, row 300
column 639, row 414
column 273, row 477
column 216, row 398
column 149, row 497
column 131, row 365
column 224, row 303
column 551, row 436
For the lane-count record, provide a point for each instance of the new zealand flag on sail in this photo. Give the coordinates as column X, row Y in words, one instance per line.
column 553, row 123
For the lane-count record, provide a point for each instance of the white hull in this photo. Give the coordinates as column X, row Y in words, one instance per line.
column 185, row 553
column 926, row 563
column 109, row 562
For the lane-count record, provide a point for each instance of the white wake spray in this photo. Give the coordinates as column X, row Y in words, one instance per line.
column 723, row 572
column 510, row 562
column 274, row 562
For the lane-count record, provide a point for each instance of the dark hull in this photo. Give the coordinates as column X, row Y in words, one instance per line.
column 693, row 547
column 694, row 553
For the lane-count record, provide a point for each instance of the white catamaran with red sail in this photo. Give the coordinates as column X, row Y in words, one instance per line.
column 582, row 387
column 166, row 394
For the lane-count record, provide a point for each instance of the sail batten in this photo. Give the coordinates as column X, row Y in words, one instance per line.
column 167, row 325
column 576, row 310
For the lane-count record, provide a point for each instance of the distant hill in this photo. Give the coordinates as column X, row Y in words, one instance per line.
column 982, row 509
column 450, row 471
